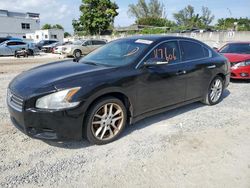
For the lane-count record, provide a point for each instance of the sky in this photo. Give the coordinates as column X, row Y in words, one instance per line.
column 63, row 11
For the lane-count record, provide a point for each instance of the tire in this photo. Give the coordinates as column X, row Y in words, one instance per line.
column 102, row 128
column 30, row 52
column 215, row 91
column 77, row 54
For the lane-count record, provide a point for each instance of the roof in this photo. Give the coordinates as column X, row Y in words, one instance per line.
column 159, row 37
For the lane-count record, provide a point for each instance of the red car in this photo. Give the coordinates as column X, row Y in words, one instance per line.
column 238, row 53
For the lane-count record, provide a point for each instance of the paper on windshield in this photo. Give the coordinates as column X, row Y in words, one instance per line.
column 143, row 41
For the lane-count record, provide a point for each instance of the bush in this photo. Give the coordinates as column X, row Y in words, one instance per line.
column 154, row 21
column 152, row 31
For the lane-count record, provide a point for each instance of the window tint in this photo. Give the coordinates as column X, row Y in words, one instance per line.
column 11, row 43
column 51, row 42
column 20, row 43
column 243, row 48
column 168, row 52
column 98, row 42
column 206, row 52
column 191, row 50
column 88, row 42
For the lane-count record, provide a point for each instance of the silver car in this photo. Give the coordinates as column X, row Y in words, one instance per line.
column 82, row 47
column 9, row 47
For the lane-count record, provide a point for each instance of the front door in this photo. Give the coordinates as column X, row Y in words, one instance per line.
column 163, row 84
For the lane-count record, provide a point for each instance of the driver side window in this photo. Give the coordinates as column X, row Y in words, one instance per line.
column 88, row 43
column 166, row 52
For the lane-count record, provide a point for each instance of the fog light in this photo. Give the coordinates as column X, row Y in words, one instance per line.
column 244, row 74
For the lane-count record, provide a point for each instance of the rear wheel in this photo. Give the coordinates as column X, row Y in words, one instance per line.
column 215, row 91
column 77, row 54
column 105, row 121
column 30, row 52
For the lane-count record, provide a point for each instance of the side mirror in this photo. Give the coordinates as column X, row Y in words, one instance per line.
column 155, row 62
column 76, row 59
column 216, row 49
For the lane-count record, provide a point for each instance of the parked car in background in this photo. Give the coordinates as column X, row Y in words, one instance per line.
column 238, row 53
column 117, row 84
column 3, row 39
column 9, row 47
column 45, row 43
column 49, row 48
column 59, row 49
column 82, row 47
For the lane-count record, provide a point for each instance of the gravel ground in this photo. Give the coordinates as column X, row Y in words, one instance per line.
column 192, row 146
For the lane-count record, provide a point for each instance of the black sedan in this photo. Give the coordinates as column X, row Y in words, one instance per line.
column 118, row 84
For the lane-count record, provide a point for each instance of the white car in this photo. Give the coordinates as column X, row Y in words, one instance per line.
column 58, row 50
column 82, row 47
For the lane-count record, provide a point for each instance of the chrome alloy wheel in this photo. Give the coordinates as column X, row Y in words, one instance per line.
column 107, row 121
column 216, row 90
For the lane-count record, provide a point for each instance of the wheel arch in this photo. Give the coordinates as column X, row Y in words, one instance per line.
column 116, row 94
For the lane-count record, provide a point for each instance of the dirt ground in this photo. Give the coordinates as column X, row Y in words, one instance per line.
column 192, row 146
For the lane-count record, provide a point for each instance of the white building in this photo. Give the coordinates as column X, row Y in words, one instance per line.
column 16, row 24
column 47, row 34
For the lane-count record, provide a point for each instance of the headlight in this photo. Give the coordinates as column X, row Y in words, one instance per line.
column 58, row 100
column 241, row 64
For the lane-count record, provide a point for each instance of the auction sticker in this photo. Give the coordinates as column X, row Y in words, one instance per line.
column 142, row 41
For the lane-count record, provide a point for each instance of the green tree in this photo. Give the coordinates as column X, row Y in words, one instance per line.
column 46, row 26
column 67, row 34
column 57, row 26
column 241, row 24
column 207, row 16
column 143, row 10
column 187, row 17
column 154, row 21
column 49, row 26
column 96, row 16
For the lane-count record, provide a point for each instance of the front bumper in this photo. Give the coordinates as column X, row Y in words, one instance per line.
column 48, row 125
column 240, row 73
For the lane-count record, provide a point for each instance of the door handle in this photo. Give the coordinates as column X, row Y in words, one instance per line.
column 211, row 67
column 181, row 72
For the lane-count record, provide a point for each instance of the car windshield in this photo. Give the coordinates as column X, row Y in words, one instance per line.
column 236, row 48
column 78, row 42
column 118, row 53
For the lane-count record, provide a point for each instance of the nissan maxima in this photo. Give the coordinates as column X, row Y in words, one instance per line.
column 116, row 85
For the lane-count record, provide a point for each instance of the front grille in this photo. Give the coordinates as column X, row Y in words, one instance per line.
column 15, row 101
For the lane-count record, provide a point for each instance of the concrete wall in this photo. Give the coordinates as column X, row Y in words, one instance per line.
column 218, row 39
column 213, row 39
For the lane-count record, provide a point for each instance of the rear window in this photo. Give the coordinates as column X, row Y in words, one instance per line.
column 98, row 42
column 191, row 50
column 236, row 48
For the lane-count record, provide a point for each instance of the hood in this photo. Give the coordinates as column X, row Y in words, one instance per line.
column 233, row 57
column 51, row 74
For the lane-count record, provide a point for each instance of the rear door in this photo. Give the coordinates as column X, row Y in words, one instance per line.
column 197, row 59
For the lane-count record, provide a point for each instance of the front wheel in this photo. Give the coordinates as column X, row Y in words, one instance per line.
column 105, row 121
column 215, row 91
column 77, row 54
